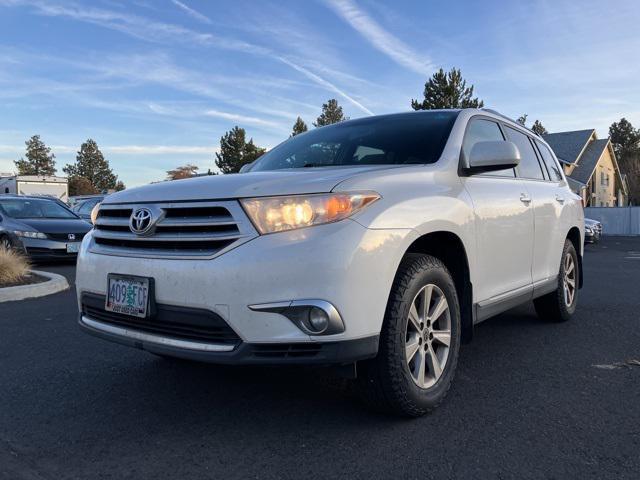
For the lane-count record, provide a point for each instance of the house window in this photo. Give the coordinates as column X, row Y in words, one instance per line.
column 601, row 178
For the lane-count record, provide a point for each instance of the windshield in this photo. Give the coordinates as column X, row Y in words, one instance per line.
column 401, row 139
column 34, row 208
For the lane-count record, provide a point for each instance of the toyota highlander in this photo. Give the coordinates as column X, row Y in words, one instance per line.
column 374, row 244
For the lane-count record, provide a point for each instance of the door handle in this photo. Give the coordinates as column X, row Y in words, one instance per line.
column 559, row 199
column 524, row 198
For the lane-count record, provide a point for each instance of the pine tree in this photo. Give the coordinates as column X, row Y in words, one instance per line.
column 447, row 90
column 625, row 140
column 184, row 171
column 538, row 128
column 40, row 160
column 299, row 127
column 235, row 151
column 331, row 113
column 630, row 166
column 81, row 186
column 91, row 164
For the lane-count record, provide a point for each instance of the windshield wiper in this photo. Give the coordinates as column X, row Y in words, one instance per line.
column 311, row 165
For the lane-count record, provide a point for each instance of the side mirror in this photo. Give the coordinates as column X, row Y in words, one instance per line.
column 491, row 156
column 246, row 167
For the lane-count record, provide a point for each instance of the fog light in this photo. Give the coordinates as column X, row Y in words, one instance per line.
column 318, row 320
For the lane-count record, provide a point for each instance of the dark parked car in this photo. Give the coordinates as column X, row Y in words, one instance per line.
column 592, row 230
column 83, row 208
column 41, row 227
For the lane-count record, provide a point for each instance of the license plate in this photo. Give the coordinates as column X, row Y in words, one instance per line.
column 72, row 247
column 128, row 295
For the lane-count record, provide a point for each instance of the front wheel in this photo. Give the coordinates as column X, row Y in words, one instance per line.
column 560, row 305
column 419, row 341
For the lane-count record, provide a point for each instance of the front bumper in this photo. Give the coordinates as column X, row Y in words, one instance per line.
column 326, row 353
column 46, row 249
column 344, row 263
column 592, row 237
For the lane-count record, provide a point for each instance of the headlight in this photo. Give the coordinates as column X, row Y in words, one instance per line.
column 94, row 213
column 278, row 214
column 23, row 234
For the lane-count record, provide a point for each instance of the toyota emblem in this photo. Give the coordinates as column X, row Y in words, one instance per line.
column 141, row 221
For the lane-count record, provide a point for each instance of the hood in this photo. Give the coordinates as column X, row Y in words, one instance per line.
column 243, row 185
column 55, row 225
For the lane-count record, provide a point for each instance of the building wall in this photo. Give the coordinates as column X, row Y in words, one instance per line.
column 568, row 169
column 604, row 182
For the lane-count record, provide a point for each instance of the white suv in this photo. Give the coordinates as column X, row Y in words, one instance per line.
column 375, row 243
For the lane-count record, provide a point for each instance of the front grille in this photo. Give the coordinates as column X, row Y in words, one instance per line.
column 64, row 237
column 183, row 230
column 169, row 321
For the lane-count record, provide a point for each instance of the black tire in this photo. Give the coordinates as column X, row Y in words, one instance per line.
column 385, row 382
column 553, row 307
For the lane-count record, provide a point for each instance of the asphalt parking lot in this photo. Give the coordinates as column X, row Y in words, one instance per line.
column 531, row 400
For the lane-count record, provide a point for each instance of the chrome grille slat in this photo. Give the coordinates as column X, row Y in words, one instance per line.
column 113, row 221
column 164, row 237
column 197, row 222
column 182, row 230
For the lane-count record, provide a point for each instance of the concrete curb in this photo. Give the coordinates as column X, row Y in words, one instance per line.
column 55, row 284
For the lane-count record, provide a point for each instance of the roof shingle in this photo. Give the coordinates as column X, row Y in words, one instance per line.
column 589, row 160
column 568, row 145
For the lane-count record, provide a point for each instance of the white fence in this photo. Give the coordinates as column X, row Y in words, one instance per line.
column 616, row 220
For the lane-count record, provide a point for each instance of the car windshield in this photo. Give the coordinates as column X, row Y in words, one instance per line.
column 402, row 139
column 34, row 208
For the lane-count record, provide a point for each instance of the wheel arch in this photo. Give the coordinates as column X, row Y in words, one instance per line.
column 574, row 237
column 449, row 248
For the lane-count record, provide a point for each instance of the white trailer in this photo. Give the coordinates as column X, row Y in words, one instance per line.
column 57, row 187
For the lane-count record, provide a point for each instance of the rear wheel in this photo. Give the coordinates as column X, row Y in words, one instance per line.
column 419, row 341
column 560, row 305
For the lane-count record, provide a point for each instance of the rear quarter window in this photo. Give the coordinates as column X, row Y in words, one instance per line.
column 550, row 162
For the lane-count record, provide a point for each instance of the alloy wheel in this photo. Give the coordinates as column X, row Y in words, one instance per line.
column 428, row 336
column 569, row 280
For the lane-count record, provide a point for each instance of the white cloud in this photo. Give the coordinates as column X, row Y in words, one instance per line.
column 380, row 38
column 239, row 118
column 136, row 26
column 150, row 30
column 161, row 149
column 127, row 149
column 326, row 84
column 191, row 12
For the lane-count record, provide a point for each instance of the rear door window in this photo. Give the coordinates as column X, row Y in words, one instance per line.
column 529, row 167
column 481, row 130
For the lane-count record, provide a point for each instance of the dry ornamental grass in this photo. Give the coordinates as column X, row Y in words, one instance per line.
column 14, row 267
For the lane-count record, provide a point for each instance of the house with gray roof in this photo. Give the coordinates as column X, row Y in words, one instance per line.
column 591, row 167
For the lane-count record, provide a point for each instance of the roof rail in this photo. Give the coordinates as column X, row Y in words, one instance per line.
column 495, row 112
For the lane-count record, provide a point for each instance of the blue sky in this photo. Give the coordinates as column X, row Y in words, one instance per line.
column 156, row 83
